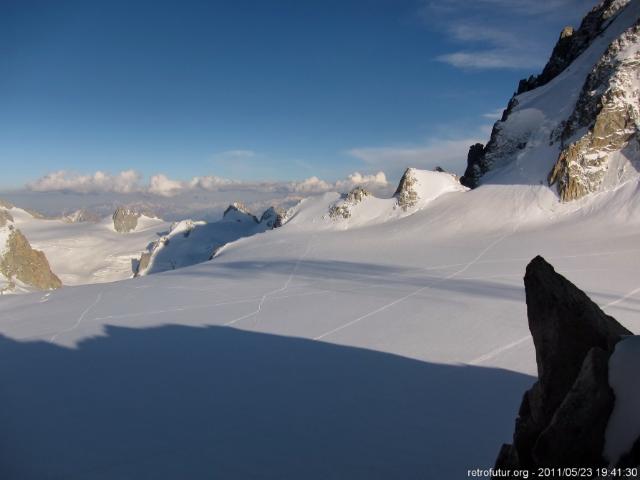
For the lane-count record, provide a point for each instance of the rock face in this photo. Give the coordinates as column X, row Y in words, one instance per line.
column 563, row 417
column 475, row 161
column 125, row 220
column 594, row 143
column 609, row 109
column 273, row 217
column 406, row 193
column 5, row 217
column 238, row 212
column 573, row 42
column 343, row 208
column 19, row 261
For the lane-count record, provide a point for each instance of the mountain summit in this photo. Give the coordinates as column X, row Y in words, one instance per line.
column 575, row 126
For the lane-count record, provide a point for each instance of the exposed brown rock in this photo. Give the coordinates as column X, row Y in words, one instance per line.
column 406, row 194
column 26, row 264
column 125, row 220
column 608, row 109
column 5, row 217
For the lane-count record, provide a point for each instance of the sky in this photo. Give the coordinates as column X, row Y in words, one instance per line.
column 120, row 96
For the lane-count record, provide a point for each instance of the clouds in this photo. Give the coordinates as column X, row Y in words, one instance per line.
column 161, row 185
column 124, row 182
column 500, row 34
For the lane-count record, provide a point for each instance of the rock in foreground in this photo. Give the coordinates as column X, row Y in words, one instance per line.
column 563, row 417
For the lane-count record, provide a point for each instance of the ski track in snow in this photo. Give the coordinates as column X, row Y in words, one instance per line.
column 623, row 298
column 80, row 318
column 420, row 290
column 283, row 288
column 494, row 353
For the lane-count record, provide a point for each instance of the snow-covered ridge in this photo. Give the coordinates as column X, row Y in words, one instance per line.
column 191, row 242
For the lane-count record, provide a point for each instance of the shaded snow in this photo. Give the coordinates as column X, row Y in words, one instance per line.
column 624, row 424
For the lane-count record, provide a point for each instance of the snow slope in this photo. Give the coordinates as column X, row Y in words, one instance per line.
column 87, row 252
column 395, row 349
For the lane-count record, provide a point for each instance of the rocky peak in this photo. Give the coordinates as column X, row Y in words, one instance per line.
column 563, row 417
column 406, row 193
column 342, row 209
column 607, row 114
column 18, row 261
column 274, row 217
column 572, row 43
column 125, row 219
column 238, row 212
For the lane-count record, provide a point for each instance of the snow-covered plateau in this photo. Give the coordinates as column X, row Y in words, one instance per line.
column 351, row 336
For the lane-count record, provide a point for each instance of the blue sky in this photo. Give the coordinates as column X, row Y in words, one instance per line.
column 260, row 90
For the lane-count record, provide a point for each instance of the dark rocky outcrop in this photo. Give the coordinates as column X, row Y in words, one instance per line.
column 274, row 217
column 563, row 417
column 572, row 43
column 25, row 264
column 237, row 211
column 475, row 161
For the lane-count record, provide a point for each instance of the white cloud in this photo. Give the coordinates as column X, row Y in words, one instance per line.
column 355, row 179
column 310, row 185
column 124, row 182
column 161, row 185
column 491, row 59
column 500, row 34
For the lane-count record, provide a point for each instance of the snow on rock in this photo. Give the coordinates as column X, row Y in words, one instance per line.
column 189, row 242
column 570, row 125
column 238, row 212
column 609, row 110
column 419, row 187
column 623, row 430
column 343, row 208
column 274, row 217
column 125, row 219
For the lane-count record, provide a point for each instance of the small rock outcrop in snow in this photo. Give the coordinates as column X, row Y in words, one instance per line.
column 418, row 187
column 406, row 194
column 238, row 212
column 563, row 417
column 125, row 219
column 21, row 263
column 342, row 209
column 274, row 217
